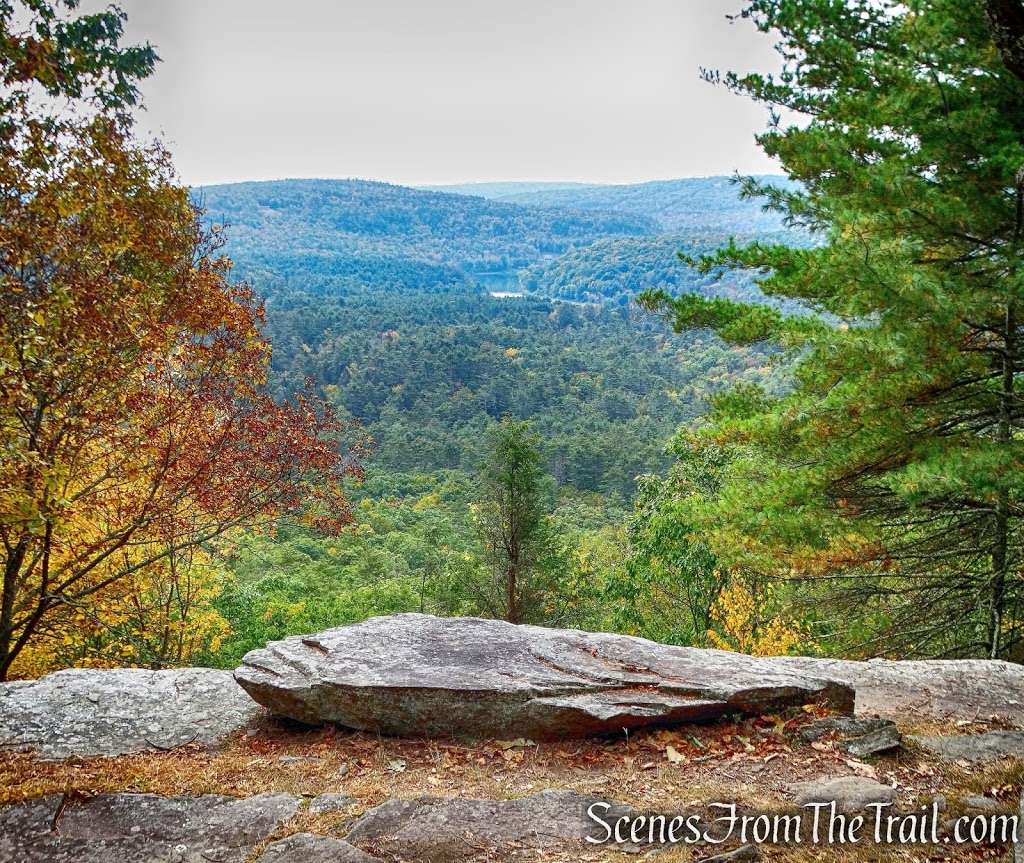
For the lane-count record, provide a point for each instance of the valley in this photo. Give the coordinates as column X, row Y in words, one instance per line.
column 384, row 522
column 425, row 317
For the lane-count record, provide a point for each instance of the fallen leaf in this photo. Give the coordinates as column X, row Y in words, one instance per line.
column 674, row 755
column 396, row 765
column 862, row 769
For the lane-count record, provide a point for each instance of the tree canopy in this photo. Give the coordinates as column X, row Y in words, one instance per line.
column 891, row 471
column 136, row 424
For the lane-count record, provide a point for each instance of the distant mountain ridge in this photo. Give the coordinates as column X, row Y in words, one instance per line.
column 570, row 240
column 497, row 191
column 344, row 228
column 706, row 204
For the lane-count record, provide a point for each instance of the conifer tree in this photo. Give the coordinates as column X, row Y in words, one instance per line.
column 513, row 524
column 892, row 469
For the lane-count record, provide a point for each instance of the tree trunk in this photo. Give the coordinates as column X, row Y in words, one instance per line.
column 997, row 599
column 12, row 569
column 511, row 597
column 1001, row 543
column 1006, row 21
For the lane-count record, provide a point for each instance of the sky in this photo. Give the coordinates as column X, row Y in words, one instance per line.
column 449, row 91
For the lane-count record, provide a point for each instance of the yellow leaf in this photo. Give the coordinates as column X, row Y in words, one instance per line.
column 674, row 755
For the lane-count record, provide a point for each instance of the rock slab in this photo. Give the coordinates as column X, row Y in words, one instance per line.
column 313, row 848
column 849, row 793
column 877, row 742
column 88, row 712
column 974, row 748
column 140, row 828
column 419, row 675
column 943, row 689
column 444, row 830
column 859, row 737
column 146, row 828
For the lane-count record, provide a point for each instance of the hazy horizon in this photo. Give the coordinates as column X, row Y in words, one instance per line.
column 485, row 182
column 448, row 93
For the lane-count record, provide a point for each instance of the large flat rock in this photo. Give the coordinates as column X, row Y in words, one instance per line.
column 984, row 748
column 117, row 712
column 140, row 828
column 942, row 689
column 446, row 830
column 414, row 674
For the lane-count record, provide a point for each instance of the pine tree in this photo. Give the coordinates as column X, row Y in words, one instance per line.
column 892, row 469
column 513, row 524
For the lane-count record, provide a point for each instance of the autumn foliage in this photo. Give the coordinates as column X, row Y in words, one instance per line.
column 134, row 424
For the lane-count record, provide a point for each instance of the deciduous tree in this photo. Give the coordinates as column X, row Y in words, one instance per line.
column 134, row 423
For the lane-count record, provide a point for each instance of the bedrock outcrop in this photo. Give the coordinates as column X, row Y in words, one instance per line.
column 941, row 689
column 140, row 828
column 414, row 674
column 441, row 830
column 120, row 711
column 146, row 828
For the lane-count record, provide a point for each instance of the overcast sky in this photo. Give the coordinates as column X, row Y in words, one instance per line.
column 435, row 91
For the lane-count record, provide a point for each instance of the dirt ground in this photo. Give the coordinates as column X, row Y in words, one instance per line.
column 750, row 762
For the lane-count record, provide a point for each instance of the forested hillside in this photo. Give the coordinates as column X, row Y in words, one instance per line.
column 373, row 293
column 701, row 204
column 616, row 270
column 429, row 377
column 378, row 296
column 392, row 237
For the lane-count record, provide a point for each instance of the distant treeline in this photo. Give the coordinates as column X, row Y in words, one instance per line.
column 393, row 236
column 578, row 242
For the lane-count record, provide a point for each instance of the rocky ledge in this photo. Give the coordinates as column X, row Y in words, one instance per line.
column 140, row 828
column 940, row 689
column 414, row 674
column 120, row 711
column 146, row 828
column 424, row 676
column 552, row 825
